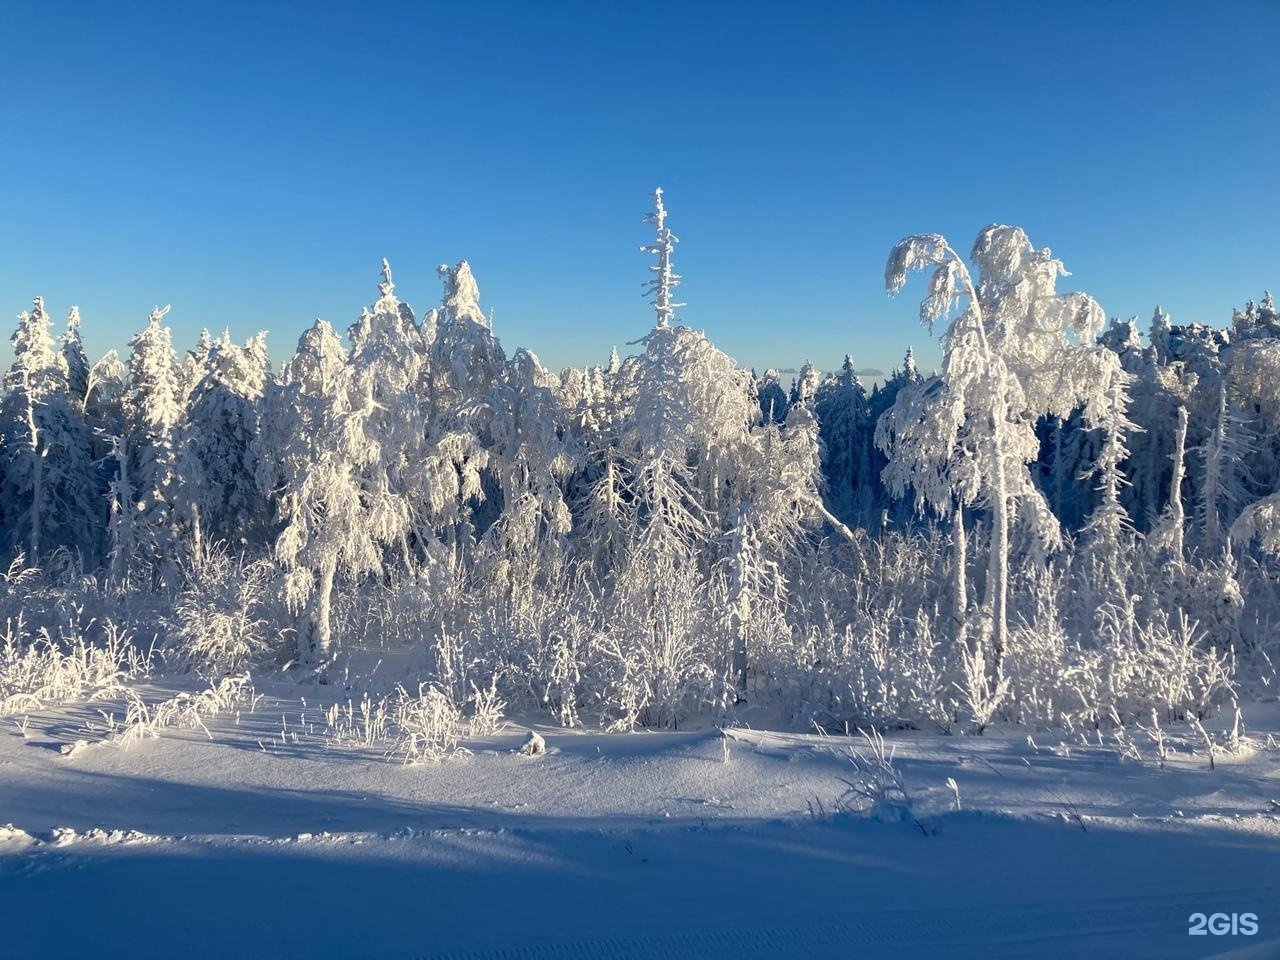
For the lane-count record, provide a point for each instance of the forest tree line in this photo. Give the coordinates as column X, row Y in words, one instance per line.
column 1068, row 522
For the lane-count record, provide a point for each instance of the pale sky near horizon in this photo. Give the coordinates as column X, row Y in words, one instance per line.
column 250, row 163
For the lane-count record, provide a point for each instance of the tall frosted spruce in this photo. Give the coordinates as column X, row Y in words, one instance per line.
column 142, row 528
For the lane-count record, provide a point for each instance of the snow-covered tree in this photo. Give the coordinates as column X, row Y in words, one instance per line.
column 703, row 473
column 1160, row 334
column 531, row 455
column 774, row 402
column 142, row 522
column 881, row 399
column 104, row 404
column 847, row 435
column 196, row 364
column 466, row 366
column 600, row 499
column 1256, row 382
column 312, row 450
column 1153, row 410
column 665, row 279
column 1168, row 534
column 388, row 357
column 1108, row 533
column 1017, row 350
column 49, row 496
column 1257, row 320
column 218, row 500
column 685, row 400
column 805, row 386
column 1222, row 491
column 78, row 367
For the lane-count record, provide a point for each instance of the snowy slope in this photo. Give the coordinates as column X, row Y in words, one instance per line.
column 644, row 845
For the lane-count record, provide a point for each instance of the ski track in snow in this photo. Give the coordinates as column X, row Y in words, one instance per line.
column 628, row 846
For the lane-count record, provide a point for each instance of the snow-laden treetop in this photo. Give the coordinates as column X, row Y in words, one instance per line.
column 665, row 278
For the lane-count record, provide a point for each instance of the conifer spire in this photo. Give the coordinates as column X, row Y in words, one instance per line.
column 665, row 278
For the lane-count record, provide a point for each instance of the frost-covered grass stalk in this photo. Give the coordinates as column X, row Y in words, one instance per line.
column 47, row 670
column 425, row 726
column 875, row 787
column 185, row 711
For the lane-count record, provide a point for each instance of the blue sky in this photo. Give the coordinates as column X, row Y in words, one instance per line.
column 251, row 162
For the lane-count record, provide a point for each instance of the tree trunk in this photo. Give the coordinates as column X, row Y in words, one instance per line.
column 1059, row 467
column 122, row 516
column 961, row 586
column 740, row 588
column 998, row 558
column 197, row 538
column 740, row 654
column 315, row 633
column 37, row 476
column 1176, row 516
column 1214, row 467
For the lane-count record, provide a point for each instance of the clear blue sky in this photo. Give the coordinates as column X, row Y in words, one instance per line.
column 251, row 162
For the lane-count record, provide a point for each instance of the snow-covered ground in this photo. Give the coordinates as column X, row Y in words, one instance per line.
column 264, row 842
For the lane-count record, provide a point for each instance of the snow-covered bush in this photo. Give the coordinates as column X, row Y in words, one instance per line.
column 225, row 617
column 656, row 658
column 1131, row 668
column 426, row 727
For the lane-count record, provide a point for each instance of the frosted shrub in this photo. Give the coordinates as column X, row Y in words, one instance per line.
column 401, row 614
column 1043, row 679
column 1169, row 666
column 58, row 599
column 1134, row 668
column 351, row 724
column 981, row 693
column 554, row 652
column 870, row 648
column 451, row 655
column 1205, row 591
column 16, row 583
column 884, row 673
column 427, row 727
column 222, row 618
column 658, row 657
column 1259, row 646
column 486, row 708
column 765, row 636
column 909, row 572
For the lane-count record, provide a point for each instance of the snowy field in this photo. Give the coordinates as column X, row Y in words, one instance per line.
column 259, row 840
